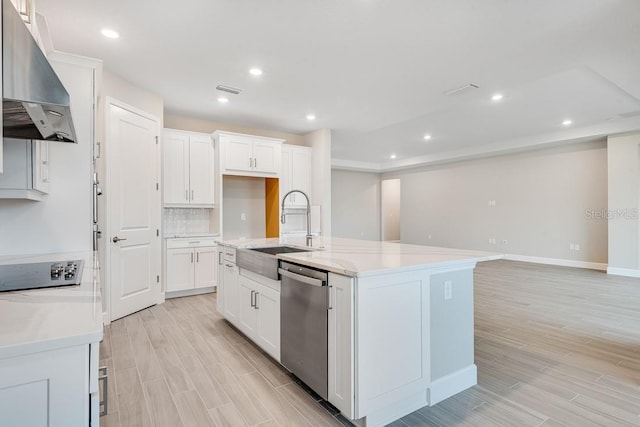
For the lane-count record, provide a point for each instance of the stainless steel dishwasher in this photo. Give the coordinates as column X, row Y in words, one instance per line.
column 304, row 301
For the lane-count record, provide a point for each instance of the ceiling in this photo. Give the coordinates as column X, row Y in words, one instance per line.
column 377, row 72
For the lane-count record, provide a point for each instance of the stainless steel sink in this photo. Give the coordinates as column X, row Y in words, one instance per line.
column 263, row 260
column 275, row 250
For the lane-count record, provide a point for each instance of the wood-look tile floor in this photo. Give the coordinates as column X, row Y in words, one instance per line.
column 554, row 346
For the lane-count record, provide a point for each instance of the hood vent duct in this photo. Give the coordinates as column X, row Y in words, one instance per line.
column 35, row 104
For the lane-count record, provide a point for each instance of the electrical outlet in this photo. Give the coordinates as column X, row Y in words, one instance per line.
column 448, row 290
column 243, row 216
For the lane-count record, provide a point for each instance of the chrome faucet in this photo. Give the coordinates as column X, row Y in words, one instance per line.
column 283, row 215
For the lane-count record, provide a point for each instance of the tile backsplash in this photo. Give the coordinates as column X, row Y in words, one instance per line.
column 186, row 220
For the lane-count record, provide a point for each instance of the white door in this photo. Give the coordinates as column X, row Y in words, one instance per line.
column 134, row 210
column 175, row 153
column 205, row 267
column 179, row 269
column 266, row 157
column 248, row 314
column 201, row 170
column 268, row 303
column 237, row 153
column 231, row 277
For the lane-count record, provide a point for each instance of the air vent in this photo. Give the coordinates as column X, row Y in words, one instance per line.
column 462, row 89
column 229, row 89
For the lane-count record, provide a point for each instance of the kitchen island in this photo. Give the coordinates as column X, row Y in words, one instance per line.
column 49, row 349
column 400, row 322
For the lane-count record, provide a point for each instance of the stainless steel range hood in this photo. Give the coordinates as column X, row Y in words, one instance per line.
column 35, row 104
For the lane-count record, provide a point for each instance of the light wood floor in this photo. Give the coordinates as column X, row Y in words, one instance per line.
column 554, row 346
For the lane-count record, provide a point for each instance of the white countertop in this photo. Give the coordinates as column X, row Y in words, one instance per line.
column 353, row 257
column 189, row 235
column 38, row 320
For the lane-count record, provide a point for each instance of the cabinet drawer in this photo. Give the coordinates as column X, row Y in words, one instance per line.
column 195, row 242
column 229, row 254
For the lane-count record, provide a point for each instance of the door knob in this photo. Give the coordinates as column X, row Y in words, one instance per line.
column 116, row 239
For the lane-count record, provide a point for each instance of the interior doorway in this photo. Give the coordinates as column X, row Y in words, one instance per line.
column 390, row 206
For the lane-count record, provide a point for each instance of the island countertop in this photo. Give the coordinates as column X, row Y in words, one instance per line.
column 359, row 258
column 45, row 319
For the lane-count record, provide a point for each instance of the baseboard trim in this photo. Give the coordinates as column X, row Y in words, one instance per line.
column 189, row 292
column 627, row 272
column 451, row 384
column 557, row 261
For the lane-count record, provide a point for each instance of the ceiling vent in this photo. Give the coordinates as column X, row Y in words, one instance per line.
column 229, row 89
column 462, row 89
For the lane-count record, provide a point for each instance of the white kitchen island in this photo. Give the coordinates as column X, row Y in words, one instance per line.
column 49, row 350
column 400, row 325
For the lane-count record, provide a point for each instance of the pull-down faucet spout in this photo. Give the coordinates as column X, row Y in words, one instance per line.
column 283, row 215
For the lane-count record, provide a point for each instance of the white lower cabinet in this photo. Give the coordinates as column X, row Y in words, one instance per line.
column 51, row 388
column 260, row 313
column 191, row 264
column 340, row 344
column 230, row 279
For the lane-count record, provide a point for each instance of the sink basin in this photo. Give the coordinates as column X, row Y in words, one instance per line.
column 275, row 250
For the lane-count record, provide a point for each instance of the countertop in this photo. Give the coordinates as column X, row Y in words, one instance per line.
column 38, row 320
column 359, row 258
column 190, row 235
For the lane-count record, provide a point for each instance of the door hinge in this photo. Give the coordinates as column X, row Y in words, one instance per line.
column 158, row 278
column 157, row 232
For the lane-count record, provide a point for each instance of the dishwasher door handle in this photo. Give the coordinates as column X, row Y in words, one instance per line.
column 303, row 279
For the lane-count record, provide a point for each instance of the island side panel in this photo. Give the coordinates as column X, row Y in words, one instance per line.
column 392, row 344
column 452, row 335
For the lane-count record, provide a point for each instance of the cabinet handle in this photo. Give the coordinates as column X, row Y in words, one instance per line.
column 330, row 302
column 252, row 303
column 219, row 258
column 186, row 195
column 197, row 256
column 191, row 257
column 255, row 305
column 102, row 376
column 255, row 162
column 250, row 163
column 192, row 194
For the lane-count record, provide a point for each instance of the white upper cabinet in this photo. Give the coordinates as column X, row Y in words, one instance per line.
column 188, row 169
column 249, row 155
column 296, row 174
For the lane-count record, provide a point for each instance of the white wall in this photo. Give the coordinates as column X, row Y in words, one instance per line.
column 624, row 203
column 541, row 203
column 243, row 195
column 173, row 121
column 62, row 221
column 356, row 204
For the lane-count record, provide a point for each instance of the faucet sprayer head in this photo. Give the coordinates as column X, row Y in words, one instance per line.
column 283, row 218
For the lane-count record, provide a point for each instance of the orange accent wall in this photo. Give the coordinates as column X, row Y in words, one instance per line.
column 272, row 206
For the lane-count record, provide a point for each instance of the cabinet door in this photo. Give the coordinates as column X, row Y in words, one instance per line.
column 340, row 344
column 268, row 304
column 201, row 170
column 205, row 272
column 236, row 153
column 231, row 276
column 220, row 280
column 46, row 389
column 180, row 269
column 40, row 154
column 266, row 157
column 175, row 168
column 301, row 173
column 248, row 311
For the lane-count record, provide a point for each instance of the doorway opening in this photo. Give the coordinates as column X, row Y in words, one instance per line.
column 390, row 206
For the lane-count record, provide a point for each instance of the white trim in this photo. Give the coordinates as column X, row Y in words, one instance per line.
column 355, row 165
column 627, row 272
column 557, row 261
column 451, row 384
column 190, row 292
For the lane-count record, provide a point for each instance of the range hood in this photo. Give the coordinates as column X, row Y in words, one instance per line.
column 35, row 104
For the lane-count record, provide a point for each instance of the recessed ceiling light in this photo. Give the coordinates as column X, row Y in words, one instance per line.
column 255, row 71
column 496, row 97
column 393, row 156
column 566, row 122
column 311, row 117
column 223, row 100
column 109, row 33
column 427, row 137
